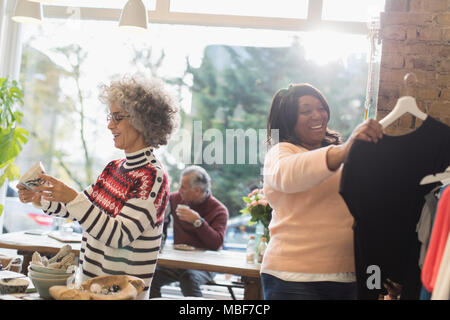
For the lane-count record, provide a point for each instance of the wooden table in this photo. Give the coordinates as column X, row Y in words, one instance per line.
column 223, row 261
column 26, row 244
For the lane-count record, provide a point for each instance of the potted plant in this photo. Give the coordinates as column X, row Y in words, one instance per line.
column 12, row 137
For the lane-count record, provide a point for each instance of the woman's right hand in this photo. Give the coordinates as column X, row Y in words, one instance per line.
column 370, row 131
column 26, row 195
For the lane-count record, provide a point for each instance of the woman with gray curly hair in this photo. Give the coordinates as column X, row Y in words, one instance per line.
column 134, row 96
column 121, row 214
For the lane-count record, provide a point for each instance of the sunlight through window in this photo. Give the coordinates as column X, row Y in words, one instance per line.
column 323, row 47
column 115, row 4
column 260, row 8
column 351, row 10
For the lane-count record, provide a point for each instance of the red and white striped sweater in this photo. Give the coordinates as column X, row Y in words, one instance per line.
column 122, row 216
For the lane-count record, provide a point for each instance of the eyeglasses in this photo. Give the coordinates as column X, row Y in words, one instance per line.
column 115, row 117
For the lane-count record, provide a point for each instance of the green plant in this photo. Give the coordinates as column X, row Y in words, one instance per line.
column 12, row 138
column 260, row 210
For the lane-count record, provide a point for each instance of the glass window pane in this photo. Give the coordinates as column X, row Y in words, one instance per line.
column 115, row 4
column 232, row 76
column 105, row 58
column 351, row 10
column 258, row 8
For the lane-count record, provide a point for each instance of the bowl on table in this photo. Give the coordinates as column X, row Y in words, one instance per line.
column 42, row 285
column 13, row 264
column 43, row 269
column 14, row 285
column 44, row 275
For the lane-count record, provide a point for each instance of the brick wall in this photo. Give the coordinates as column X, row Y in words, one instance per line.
column 415, row 38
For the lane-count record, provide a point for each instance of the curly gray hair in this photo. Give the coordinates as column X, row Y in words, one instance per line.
column 153, row 112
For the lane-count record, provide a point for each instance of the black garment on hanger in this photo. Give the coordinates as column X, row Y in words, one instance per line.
column 380, row 185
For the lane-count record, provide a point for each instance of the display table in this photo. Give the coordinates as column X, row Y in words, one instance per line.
column 222, row 261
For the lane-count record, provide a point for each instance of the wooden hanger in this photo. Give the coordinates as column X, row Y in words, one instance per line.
column 443, row 177
column 404, row 104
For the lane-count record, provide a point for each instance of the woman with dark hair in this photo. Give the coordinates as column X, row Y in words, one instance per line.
column 310, row 253
column 122, row 213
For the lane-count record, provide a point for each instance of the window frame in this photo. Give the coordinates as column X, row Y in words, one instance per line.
column 162, row 14
column 10, row 32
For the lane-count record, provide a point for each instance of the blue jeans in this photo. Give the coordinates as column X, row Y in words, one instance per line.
column 277, row 289
column 190, row 280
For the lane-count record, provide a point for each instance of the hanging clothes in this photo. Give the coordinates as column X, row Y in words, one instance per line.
column 425, row 224
column 423, row 229
column 441, row 289
column 438, row 241
column 380, row 185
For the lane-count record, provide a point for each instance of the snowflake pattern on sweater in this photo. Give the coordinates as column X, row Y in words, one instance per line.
column 116, row 185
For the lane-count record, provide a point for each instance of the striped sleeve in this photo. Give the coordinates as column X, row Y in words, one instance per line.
column 137, row 215
column 59, row 209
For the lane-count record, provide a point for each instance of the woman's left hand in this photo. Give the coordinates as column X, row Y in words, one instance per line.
column 55, row 190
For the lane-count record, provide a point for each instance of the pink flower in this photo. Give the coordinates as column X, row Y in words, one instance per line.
column 254, row 203
column 254, row 192
column 263, row 202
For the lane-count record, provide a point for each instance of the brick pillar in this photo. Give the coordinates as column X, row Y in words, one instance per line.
column 415, row 38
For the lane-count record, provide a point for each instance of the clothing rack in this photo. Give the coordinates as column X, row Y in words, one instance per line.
column 435, row 274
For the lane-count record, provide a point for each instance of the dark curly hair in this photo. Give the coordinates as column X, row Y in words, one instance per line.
column 283, row 114
column 153, row 112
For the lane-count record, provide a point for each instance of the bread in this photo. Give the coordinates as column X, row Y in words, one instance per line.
column 129, row 288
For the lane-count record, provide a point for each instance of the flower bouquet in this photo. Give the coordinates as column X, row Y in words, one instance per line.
column 260, row 210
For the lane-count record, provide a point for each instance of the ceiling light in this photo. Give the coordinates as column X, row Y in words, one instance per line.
column 133, row 16
column 27, row 12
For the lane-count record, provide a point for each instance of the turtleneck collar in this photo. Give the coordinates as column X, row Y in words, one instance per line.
column 139, row 158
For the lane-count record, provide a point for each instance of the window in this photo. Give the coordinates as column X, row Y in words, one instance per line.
column 116, row 4
column 360, row 10
column 272, row 58
column 102, row 51
column 263, row 8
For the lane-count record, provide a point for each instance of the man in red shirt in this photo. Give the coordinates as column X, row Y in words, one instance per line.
column 199, row 220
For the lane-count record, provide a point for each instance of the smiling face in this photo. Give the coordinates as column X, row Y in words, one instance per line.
column 126, row 137
column 312, row 121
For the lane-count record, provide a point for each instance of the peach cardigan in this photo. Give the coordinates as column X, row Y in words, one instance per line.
column 311, row 227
